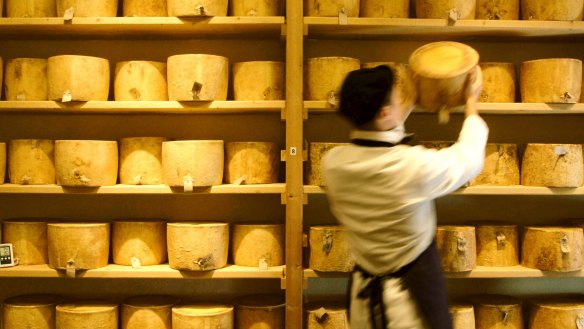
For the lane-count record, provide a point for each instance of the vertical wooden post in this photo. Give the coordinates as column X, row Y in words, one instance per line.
column 294, row 164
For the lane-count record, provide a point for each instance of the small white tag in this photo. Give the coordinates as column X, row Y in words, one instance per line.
column 452, row 16
column 564, row 246
column 332, row 98
column 293, row 150
column 136, row 264
column 343, row 19
column 263, row 264
column 21, row 97
column 138, row 179
column 505, row 317
column 240, row 180
column 69, row 13
column 580, row 321
column 196, row 90
column 67, row 97
column 70, row 271
column 500, row 240
column 560, row 150
column 461, row 244
column 188, row 184
column 200, row 9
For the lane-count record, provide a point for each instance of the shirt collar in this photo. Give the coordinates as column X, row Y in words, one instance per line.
column 393, row 136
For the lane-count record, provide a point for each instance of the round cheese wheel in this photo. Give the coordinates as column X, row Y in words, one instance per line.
column 385, row 9
column 31, row 8
column 324, row 76
column 501, row 166
column 552, row 80
column 85, row 163
column 87, row 314
column 258, row 245
column 145, row 8
column 197, row 77
column 202, row 315
column 78, row 246
column 462, row 316
column 148, row 312
column 78, row 78
column 498, row 9
column 329, row 249
column 197, row 7
column 497, row 311
column 497, row 243
column 31, row 161
column 29, row 241
column 88, row 8
column 498, row 83
column 251, row 163
column 141, row 160
column 197, row 246
column 461, row 9
column 138, row 242
column 26, row 79
column 140, row 81
column 552, row 165
column 259, row 80
column 457, row 247
column 29, row 311
column 320, row 315
column 199, row 163
column 256, row 7
column 558, row 10
column 559, row 312
column 260, row 311
column 331, row 8
column 554, row 249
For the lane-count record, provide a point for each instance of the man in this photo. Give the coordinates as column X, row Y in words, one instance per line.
column 383, row 192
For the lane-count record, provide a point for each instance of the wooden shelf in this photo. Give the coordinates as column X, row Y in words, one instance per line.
column 146, row 272
column 143, row 27
column 481, row 272
column 277, row 188
column 367, row 28
column 324, row 107
column 137, row 107
column 491, row 190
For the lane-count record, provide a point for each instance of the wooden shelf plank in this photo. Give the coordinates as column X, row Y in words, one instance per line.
column 277, row 188
column 481, row 272
column 492, row 190
column 143, row 27
column 360, row 27
column 324, row 107
column 146, row 272
column 130, row 107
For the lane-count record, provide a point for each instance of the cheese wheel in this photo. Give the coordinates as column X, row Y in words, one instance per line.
column 258, row 80
column 385, row 8
column 87, row 314
column 497, row 311
column 460, row 9
column 138, row 243
column 251, row 163
column 498, row 9
column 197, row 246
column 29, row 241
column 145, row 8
column 197, row 77
column 331, row 8
column 552, row 165
column 197, row 7
column 31, row 161
column 462, row 316
column 501, row 166
column 140, row 81
column 560, row 312
column 256, row 7
column 80, row 78
column 78, row 246
column 141, row 160
column 557, row 10
column 326, row 315
column 88, row 8
column 329, row 249
column 2, row 163
column 316, row 152
column 554, row 249
column 457, row 247
column 497, row 244
column 29, row 311
column 324, row 76
column 148, row 312
column 31, row 8
column 553, row 80
column 260, row 312
column 199, row 163
column 26, row 79
column 85, row 163
column 498, row 83
column 202, row 315
column 258, row 245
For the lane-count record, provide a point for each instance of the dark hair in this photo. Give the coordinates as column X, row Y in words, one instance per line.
column 364, row 92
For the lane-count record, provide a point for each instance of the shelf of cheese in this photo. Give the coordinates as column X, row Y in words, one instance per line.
column 491, row 190
column 137, row 107
column 361, row 27
column 324, row 107
column 251, row 27
column 277, row 188
column 480, row 272
column 162, row 271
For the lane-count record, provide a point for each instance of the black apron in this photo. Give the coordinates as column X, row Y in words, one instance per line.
column 423, row 278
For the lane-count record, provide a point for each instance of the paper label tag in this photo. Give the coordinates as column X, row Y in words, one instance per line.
column 67, row 97
column 70, row 271
column 564, row 246
column 196, row 90
column 505, row 317
column 567, row 97
column 240, row 180
column 136, row 264
column 560, row 150
column 188, row 184
column 461, row 244
column 21, row 97
column 263, row 264
column 452, row 16
column 501, row 240
column 343, row 19
column 327, row 242
column 332, row 98
column 69, row 13
column 200, row 9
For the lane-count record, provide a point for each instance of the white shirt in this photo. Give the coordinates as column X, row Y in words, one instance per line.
column 384, row 196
